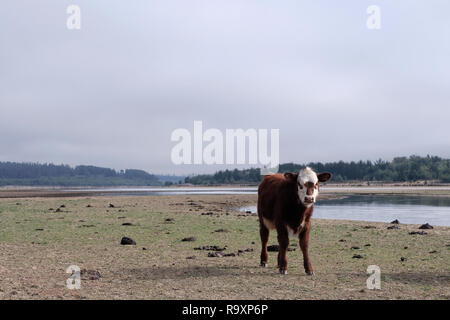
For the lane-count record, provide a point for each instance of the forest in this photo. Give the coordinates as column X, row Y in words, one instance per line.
column 400, row 169
column 35, row 174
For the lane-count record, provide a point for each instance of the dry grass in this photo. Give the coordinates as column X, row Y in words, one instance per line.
column 33, row 263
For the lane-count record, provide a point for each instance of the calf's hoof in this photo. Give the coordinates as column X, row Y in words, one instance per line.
column 263, row 264
column 283, row 271
column 310, row 273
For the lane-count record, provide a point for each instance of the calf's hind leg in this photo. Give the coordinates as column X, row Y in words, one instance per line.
column 283, row 243
column 264, row 234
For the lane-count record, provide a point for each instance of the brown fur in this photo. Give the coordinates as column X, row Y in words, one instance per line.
column 278, row 203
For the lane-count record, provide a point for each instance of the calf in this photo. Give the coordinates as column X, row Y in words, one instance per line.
column 286, row 203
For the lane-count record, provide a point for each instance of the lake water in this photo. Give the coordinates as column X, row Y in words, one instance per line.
column 384, row 208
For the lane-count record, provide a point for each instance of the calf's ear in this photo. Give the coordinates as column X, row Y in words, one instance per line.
column 291, row 176
column 324, row 176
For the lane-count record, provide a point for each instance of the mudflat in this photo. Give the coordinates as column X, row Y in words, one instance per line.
column 203, row 247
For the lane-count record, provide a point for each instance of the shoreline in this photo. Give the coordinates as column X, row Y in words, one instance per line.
column 329, row 189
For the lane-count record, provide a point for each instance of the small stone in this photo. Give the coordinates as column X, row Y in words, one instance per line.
column 144, row 248
column 212, row 248
column 221, row 230
column 90, row 274
column 127, row 241
column 229, row 254
column 406, row 247
column 88, row 206
column 214, row 255
column 426, row 226
column 418, row 232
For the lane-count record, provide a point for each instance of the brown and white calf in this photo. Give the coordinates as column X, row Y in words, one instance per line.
column 286, row 203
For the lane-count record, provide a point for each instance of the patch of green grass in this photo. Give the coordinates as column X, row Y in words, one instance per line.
column 91, row 237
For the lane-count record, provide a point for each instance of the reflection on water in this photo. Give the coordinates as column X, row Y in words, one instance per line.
column 388, row 200
column 384, row 208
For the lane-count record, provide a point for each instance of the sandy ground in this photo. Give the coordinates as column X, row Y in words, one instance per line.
column 38, row 244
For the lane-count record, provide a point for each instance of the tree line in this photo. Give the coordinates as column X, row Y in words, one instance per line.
column 36, row 174
column 400, row 169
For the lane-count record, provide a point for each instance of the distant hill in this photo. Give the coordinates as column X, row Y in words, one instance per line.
column 400, row 169
column 171, row 179
column 36, row 174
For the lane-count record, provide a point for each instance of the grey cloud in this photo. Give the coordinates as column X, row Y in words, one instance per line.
column 111, row 93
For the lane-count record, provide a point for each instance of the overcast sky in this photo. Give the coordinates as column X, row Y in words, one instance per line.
column 111, row 93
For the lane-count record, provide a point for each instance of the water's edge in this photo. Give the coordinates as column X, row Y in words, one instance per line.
column 383, row 208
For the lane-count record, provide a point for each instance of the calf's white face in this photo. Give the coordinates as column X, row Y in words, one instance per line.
column 308, row 185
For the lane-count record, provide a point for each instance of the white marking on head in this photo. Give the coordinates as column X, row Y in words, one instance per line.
column 307, row 175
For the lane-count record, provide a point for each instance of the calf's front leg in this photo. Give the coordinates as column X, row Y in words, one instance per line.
column 304, row 242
